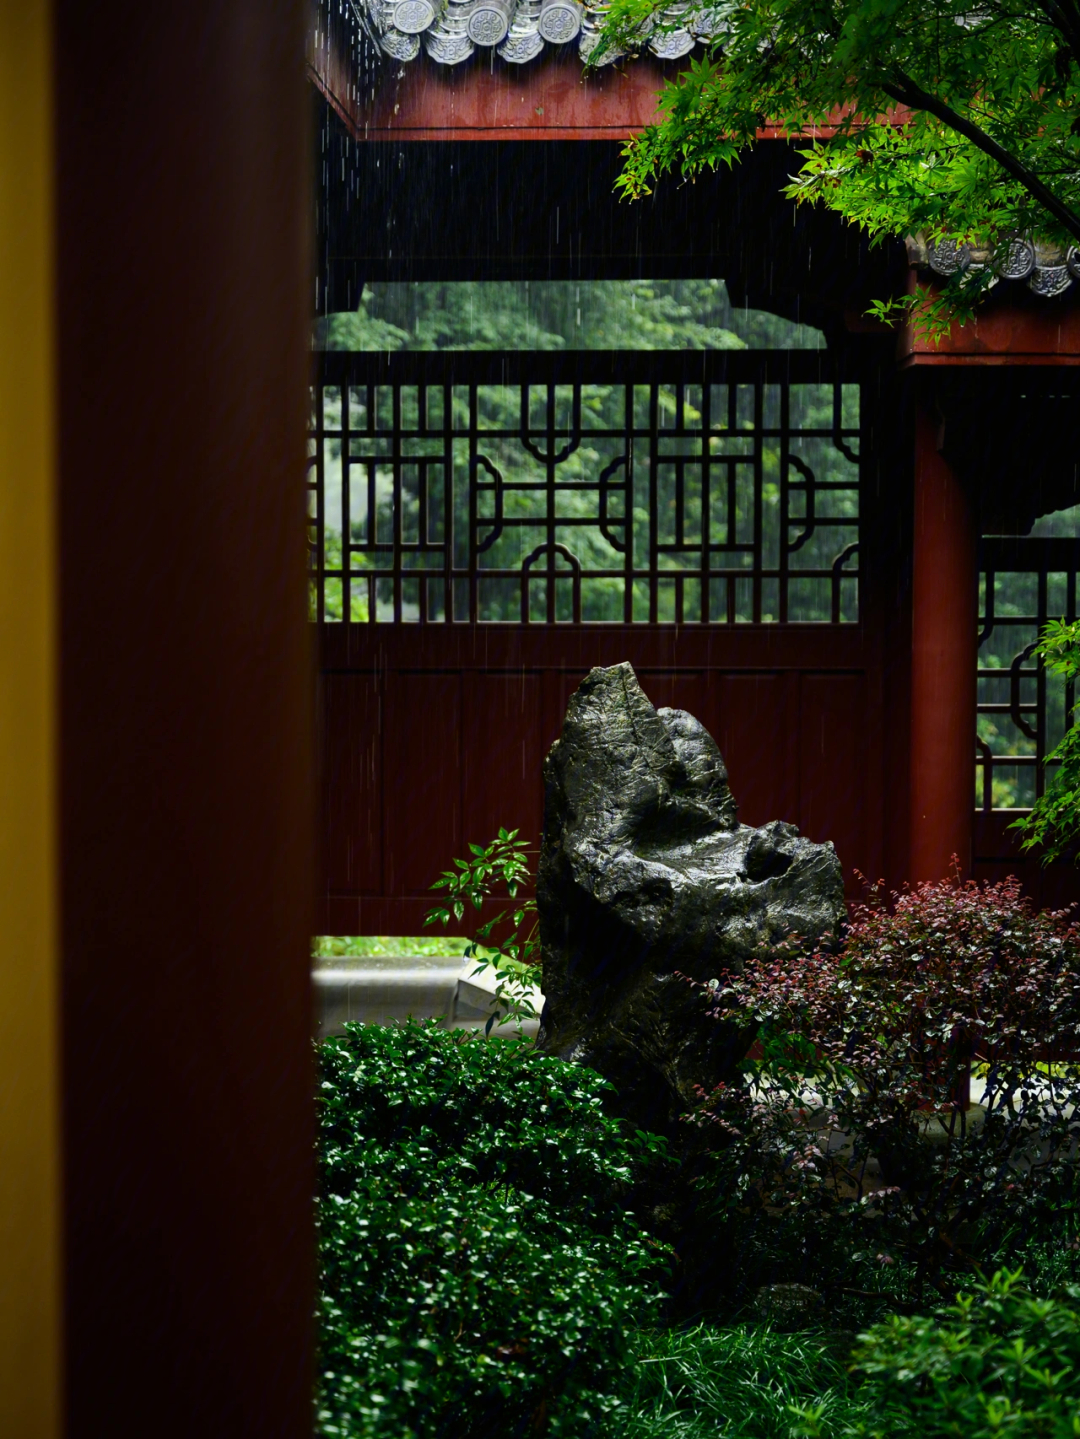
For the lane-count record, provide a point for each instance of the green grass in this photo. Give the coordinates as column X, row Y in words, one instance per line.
column 747, row 1381
column 742, row 1382
column 329, row 946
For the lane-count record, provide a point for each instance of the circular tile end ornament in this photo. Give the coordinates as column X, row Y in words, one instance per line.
column 488, row 23
column 592, row 39
column 413, row 16
column 946, row 257
column 560, row 21
column 709, row 23
column 1015, row 259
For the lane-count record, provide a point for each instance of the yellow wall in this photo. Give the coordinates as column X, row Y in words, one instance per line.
column 29, row 1167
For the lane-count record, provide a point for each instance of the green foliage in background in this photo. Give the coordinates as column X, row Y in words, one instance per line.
column 557, row 315
column 508, row 941
column 626, row 314
column 983, row 142
column 1015, row 597
column 333, row 588
column 1053, row 826
column 379, row 946
column 480, row 1270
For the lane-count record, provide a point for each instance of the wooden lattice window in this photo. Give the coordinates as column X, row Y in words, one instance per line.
column 621, row 487
column 1022, row 710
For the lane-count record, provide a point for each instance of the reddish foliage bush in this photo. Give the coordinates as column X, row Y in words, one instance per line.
column 859, row 1104
column 951, row 972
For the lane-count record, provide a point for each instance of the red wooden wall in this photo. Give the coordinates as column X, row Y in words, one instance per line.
column 434, row 736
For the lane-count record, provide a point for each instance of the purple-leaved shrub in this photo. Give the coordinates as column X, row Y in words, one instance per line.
column 857, row 1116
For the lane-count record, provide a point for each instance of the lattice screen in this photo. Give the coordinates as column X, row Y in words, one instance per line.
column 715, row 488
column 1022, row 710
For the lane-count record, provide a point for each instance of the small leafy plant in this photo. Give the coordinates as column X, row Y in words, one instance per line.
column 856, row 1116
column 1053, row 826
column 996, row 1362
column 509, row 941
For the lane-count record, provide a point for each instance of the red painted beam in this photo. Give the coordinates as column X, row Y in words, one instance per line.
column 1012, row 327
column 550, row 99
column 943, row 690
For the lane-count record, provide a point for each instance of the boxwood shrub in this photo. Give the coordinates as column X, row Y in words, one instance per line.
column 481, row 1273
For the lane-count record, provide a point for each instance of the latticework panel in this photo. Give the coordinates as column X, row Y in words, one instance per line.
column 631, row 488
column 1022, row 710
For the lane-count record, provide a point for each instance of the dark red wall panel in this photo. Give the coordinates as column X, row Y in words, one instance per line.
column 457, row 720
column 998, row 854
column 558, row 686
column 755, row 731
column 352, row 783
column 502, row 756
column 832, row 728
column 422, row 742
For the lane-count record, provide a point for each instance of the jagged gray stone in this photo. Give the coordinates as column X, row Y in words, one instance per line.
column 644, row 872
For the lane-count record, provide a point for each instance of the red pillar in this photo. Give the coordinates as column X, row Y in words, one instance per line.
column 185, row 719
column 943, row 693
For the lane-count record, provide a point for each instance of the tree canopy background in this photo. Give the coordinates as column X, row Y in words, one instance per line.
column 557, row 315
column 955, row 118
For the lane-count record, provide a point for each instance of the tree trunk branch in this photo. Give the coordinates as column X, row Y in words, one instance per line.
column 1066, row 20
column 907, row 92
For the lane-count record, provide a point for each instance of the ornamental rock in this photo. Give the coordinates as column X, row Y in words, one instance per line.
column 646, row 874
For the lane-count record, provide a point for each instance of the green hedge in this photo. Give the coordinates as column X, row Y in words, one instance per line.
column 481, row 1272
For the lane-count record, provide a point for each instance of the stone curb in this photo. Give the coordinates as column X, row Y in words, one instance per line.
column 392, row 989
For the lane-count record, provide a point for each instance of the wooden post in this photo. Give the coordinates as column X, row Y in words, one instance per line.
column 30, row 1227
column 943, row 687
column 185, row 719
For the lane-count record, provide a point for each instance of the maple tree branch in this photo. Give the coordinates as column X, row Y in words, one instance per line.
column 908, row 92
